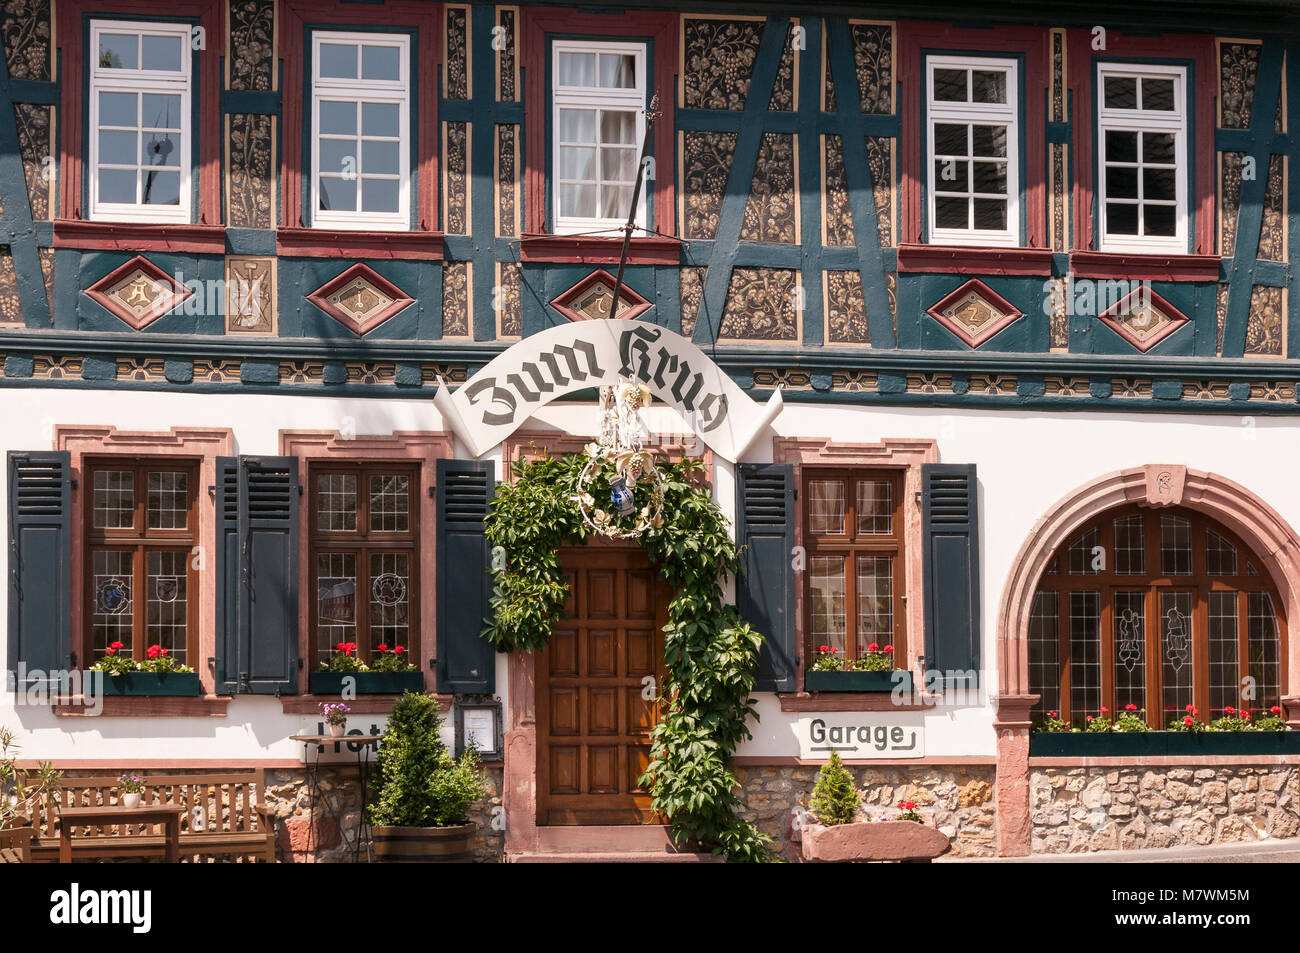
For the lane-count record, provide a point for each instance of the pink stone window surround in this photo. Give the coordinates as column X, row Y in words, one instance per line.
column 190, row 444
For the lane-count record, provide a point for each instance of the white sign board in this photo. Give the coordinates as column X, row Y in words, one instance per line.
column 862, row 735
column 579, row 355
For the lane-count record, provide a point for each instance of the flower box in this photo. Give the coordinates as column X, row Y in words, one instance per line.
column 1100, row 744
column 858, row 681
column 368, row 683
column 149, row 683
column 873, row 840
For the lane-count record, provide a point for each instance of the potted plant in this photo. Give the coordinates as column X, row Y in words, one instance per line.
column 336, row 716
column 132, row 787
column 420, row 810
column 23, row 792
column 390, row 671
column 873, row 671
column 158, row 674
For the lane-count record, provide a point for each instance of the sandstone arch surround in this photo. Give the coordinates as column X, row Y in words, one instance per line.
column 1155, row 485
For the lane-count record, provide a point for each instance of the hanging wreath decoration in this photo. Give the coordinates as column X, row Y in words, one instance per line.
column 710, row 652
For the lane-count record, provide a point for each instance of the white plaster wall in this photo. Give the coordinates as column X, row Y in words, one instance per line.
column 1027, row 461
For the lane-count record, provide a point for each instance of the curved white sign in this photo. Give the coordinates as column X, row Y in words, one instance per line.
column 517, row 383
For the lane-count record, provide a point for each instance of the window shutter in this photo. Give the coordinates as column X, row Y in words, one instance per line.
column 466, row 660
column 226, row 567
column 765, row 593
column 950, row 518
column 40, row 562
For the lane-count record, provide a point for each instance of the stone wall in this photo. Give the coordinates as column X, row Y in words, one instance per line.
column 1078, row 810
column 307, row 835
column 960, row 799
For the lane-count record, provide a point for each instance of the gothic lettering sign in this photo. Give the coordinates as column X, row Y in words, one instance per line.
column 517, row 383
column 862, row 735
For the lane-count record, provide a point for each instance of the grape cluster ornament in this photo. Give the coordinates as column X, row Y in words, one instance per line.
column 618, row 458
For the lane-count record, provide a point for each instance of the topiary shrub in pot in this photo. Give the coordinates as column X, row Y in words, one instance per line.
column 420, row 810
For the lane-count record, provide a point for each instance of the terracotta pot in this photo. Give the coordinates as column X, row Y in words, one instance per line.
column 416, row 845
column 873, row 840
column 131, row 800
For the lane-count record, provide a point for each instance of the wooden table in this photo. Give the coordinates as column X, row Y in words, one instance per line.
column 317, row 793
column 169, row 815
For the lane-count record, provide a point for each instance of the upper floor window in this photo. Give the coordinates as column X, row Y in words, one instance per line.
column 140, row 123
column 598, row 126
column 972, row 107
column 361, row 138
column 853, row 531
column 1142, row 133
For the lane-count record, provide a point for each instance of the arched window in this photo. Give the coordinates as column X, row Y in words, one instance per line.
column 1158, row 609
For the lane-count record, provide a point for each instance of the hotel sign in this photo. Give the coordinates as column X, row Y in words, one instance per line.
column 861, row 735
column 516, row 384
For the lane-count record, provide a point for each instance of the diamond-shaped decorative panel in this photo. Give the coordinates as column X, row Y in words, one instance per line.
column 138, row 292
column 360, row 299
column 1143, row 318
column 591, row 298
column 974, row 312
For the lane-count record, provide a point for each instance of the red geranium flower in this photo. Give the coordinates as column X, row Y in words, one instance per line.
column 1052, row 714
column 873, row 647
column 381, row 648
column 1229, row 710
column 154, row 651
column 1130, row 707
column 822, row 648
column 110, row 651
column 1089, row 718
column 1276, row 710
column 116, row 645
column 1187, row 722
column 887, row 648
column 1105, row 710
column 398, row 649
column 164, row 651
column 1246, row 715
column 1190, row 709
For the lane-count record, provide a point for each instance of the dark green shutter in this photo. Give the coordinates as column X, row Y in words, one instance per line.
column 257, row 566
column 950, row 550
column 466, row 660
column 765, row 588
column 40, row 563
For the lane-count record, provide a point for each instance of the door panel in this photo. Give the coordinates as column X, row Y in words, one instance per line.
column 593, row 725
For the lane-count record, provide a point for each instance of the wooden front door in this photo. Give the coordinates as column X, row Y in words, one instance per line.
column 593, row 725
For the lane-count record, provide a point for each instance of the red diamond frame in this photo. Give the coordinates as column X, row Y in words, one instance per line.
column 1110, row 318
column 320, row 297
column 633, row 304
column 98, row 292
column 1010, row 313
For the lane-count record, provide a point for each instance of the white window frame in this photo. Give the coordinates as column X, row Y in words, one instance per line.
column 597, row 97
column 1144, row 120
column 1007, row 114
column 106, row 80
column 355, row 91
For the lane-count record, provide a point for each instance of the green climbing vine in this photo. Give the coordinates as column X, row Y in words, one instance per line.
column 710, row 652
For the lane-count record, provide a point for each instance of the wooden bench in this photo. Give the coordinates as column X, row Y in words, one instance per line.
column 224, row 817
column 16, row 845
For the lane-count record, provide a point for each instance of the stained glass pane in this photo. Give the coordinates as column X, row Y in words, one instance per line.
column 875, row 507
column 336, row 600
column 1130, row 545
column 1175, row 545
column 1224, row 688
column 1220, row 555
column 1045, row 651
column 112, row 600
column 390, row 503
column 1085, row 654
column 336, row 501
column 875, row 601
column 827, row 592
column 1176, row 643
column 166, row 596
column 390, row 605
column 827, row 508
column 114, row 503
column 1130, row 650
column 1264, row 650
column 168, row 504
column 1081, row 555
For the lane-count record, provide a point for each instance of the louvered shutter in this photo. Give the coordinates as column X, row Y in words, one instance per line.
column 268, row 583
column 40, row 564
column 226, row 569
column 950, row 550
column 765, row 593
column 466, row 660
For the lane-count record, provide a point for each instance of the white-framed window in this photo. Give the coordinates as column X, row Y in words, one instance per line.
column 140, row 123
column 1142, row 157
column 973, row 150
column 361, row 131
column 598, row 124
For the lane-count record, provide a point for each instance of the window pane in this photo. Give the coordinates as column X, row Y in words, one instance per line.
column 950, row 139
column 1157, row 147
column 159, row 149
column 166, row 596
column 617, row 126
column 338, row 194
column 991, row 214
column 1175, row 546
column 875, row 601
column 617, row 201
column 990, row 141
column 618, row 165
column 114, row 502
column 827, row 508
column 336, row 502
column 338, row 155
column 1081, row 553
column 1130, row 545
column 380, row 158
column 390, row 503
column 117, row 185
column 161, row 53
column 168, row 505
column 1121, row 182
column 950, row 85
column 119, row 50
column 1159, row 184
column 1121, row 92
column 380, row 195
column 951, row 212
column 1085, row 654
column 336, row 600
column 577, row 163
column 1160, row 220
column 118, row 109
column 991, row 177
column 1176, row 641
column 338, row 60
column 111, row 578
column 988, row 86
column 1224, row 689
column 1121, row 219
column 160, row 111
column 1157, row 93
column 1121, row 146
column 875, row 507
column 390, row 586
column 381, row 119
column 1045, row 651
column 1130, row 650
column 578, row 125
column 1220, row 555
column 161, row 188
column 118, row 148
column 381, row 62
column 1264, row 649
column 578, row 201
column 618, row 71
column 950, row 175
column 577, row 69
column 338, row 119
column 827, row 595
